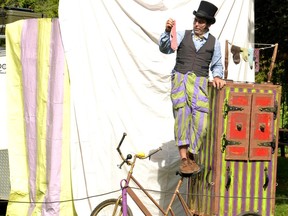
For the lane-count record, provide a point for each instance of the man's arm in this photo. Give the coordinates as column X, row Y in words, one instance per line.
column 217, row 67
column 165, row 43
column 165, row 39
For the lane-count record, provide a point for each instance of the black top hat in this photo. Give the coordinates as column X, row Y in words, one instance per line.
column 207, row 11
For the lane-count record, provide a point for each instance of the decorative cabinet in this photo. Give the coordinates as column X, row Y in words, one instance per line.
column 240, row 152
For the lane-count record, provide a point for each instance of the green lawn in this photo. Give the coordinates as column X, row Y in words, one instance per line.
column 281, row 208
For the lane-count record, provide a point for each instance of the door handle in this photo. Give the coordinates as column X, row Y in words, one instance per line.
column 228, row 183
column 266, row 179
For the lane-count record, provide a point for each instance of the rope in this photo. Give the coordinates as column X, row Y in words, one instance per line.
column 268, row 46
column 150, row 190
column 226, row 18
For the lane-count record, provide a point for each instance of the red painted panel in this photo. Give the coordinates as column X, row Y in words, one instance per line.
column 262, row 124
column 265, row 100
column 238, row 125
column 260, row 153
column 264, row 151
column 241, row 100
column 237, row 150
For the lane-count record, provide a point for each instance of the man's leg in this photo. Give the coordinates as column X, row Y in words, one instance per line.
column 199, row 103
column 182, row 138
column 183, row 151
column 198, row 131
column 182, row 125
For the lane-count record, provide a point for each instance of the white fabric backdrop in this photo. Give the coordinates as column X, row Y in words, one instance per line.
column 120, row 82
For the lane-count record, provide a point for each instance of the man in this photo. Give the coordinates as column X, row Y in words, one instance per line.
column 197, row 51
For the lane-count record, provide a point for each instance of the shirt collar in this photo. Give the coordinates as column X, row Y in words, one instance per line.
column 204, row 36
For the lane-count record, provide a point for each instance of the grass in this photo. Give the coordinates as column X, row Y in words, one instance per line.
column 281, row 204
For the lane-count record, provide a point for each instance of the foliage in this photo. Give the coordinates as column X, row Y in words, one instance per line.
column 47, row 7
column 282, row 188
column 268, row 16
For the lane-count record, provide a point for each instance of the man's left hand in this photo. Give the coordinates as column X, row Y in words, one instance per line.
column 218, row 82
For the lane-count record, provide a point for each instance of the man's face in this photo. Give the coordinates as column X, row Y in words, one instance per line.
column 200, row 26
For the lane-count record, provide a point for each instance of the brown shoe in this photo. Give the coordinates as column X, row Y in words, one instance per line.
column 196, row 168
column 188, row 167
column 185, row 167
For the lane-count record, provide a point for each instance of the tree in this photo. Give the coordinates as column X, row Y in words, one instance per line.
column 48, row 7
column 271, row 26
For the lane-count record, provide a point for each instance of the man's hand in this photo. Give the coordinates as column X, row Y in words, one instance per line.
column 218, row 82
column 169, row 25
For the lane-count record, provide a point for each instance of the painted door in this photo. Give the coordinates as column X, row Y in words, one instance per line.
column 250, row 121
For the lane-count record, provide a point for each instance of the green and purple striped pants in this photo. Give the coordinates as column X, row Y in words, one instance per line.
column 190, row 106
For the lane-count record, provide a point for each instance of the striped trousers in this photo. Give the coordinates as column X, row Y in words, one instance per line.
column 189, row 95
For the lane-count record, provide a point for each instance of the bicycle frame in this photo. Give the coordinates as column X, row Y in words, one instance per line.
column 134, row 196
column 140, row 204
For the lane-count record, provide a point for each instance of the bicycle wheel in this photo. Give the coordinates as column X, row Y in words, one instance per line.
column 107, row 207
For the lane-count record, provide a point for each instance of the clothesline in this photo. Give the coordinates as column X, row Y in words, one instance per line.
column 251, row 55
column 267, row 46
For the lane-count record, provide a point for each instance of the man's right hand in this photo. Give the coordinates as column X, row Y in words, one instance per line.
column 169, row 25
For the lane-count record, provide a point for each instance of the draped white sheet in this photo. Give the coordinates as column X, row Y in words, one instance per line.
column 120, row 82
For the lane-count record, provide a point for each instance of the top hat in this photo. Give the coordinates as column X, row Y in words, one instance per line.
column 207, row 11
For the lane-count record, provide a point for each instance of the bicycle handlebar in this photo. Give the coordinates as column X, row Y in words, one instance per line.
column 143, row 156
column 129, row 156
column 121, row 141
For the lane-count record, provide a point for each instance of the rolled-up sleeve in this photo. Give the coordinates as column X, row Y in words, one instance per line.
column 165, row 43
column 216, row 66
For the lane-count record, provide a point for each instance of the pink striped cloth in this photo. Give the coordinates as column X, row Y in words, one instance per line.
column 39, row 121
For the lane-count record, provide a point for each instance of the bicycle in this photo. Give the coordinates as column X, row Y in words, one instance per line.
column 119, row 207
column 113, row 207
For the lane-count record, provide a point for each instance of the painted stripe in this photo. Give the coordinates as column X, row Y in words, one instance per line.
column 236, row 184
column 246, row 185
column 223, row 163
column 257, row 180
column 205, row 161
column 261, row 202
column 227, row 202
column 201, row 199
column 270, row 190
column 198, row 118
column 211, row 150
column 252, row 190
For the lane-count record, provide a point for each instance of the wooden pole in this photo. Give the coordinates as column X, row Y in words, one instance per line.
column 272, row 62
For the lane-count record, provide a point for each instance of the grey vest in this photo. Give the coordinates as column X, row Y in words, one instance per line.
column 188, row 59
